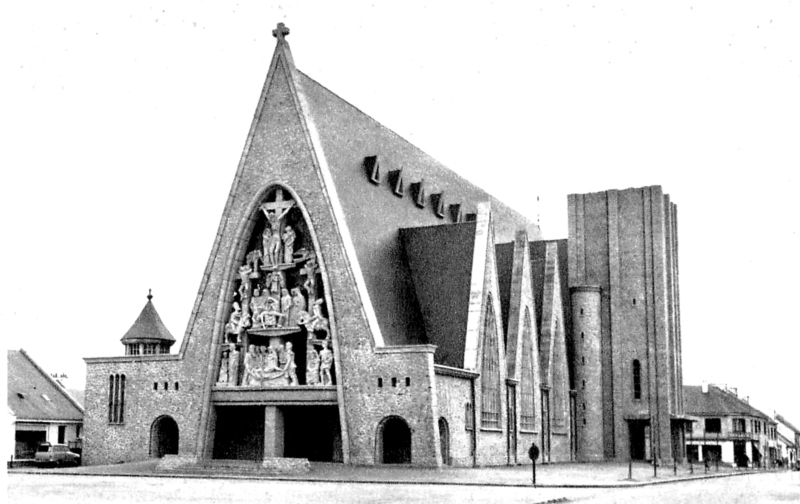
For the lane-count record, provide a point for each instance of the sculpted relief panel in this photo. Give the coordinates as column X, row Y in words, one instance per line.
column 278, row 306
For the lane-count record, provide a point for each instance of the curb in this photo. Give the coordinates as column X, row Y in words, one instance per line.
column 632, row 484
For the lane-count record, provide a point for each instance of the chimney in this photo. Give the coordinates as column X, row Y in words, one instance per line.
column 704, row 387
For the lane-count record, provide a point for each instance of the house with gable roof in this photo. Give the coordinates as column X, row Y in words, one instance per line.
column 40, row 409
column 790, row 438
column 727, row 429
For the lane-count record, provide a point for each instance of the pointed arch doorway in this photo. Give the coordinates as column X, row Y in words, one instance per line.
column 444, row 440
column 163, row 437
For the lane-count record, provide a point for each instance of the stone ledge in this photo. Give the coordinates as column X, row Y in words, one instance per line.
column 269, row 466
column 175, row 462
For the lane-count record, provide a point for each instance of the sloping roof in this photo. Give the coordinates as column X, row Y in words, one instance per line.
column 788, row 442
column 33, row 395
column 148, row 327
column 716, row 402
column 374, row 213
column 440, row 261
column 785, row 422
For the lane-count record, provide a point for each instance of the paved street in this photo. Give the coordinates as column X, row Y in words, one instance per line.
column 777, row 487
column 63, row 489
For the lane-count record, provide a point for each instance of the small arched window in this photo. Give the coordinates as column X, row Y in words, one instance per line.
column 637, row 379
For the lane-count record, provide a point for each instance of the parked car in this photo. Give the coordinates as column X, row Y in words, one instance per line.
column 57, row 454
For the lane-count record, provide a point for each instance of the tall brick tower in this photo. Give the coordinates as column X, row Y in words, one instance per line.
column 626, row 243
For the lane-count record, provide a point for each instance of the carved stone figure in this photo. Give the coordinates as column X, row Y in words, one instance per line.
column 273, row 373
column 222, row 380
column 288, row 244
column 275, row 283
column 317, row 322
column 258, row 307
column 271, row 362
column 325, row 363
column 270, row 317
column 233, row 365
column 266, row 240
column 235, row 321
column 290, row 367
column 244, row 275
column 310, row 272
column 275, row 246
column 298, row 306
column 312, row 366
column 286, row 302
column 252, row 260
column 251, row 368
column 275, row 212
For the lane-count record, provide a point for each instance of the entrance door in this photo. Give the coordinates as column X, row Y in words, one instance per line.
column 511, row 401
column 394, row 441
column 740, row 453
column 164, row 437
column 545, row 451
column 637, row 439
column 239, row 433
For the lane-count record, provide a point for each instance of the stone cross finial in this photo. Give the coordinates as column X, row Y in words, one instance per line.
column 280, row 32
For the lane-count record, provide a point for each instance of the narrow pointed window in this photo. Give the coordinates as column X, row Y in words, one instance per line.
column 528, row 406
column 490, row 374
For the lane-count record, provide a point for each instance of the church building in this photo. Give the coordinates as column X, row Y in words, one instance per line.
column 364, row 304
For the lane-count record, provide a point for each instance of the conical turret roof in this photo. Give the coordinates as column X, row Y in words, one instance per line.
column 148, row 327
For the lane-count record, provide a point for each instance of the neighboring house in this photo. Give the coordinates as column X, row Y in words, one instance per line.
column 791, row 436
column 364, row 304
column 728, row 429
column 39, row 408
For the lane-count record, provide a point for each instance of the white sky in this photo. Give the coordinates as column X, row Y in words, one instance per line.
column 122, row 128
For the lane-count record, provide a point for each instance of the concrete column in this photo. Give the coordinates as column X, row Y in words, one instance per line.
column 727, row 451
column 273, row 432
column 748, row 450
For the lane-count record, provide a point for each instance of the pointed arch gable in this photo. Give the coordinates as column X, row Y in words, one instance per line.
column 483, row 281
column 554, row 365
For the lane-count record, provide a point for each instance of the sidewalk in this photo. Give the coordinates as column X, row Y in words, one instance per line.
column 566, row 475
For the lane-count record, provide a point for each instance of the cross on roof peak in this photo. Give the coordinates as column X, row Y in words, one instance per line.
column 280, row 32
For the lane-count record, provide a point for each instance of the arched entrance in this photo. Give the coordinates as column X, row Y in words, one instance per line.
column 444, row 440
column 163, row 437
column 394, row 441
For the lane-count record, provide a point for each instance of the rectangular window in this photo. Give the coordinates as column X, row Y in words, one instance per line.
column 62, row 433
column 468, row 417
column 713, row 425
column 116, row 398
column 738, row 425
column 637, row 380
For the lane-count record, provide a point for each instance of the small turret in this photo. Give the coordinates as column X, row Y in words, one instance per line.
column 148, row 335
